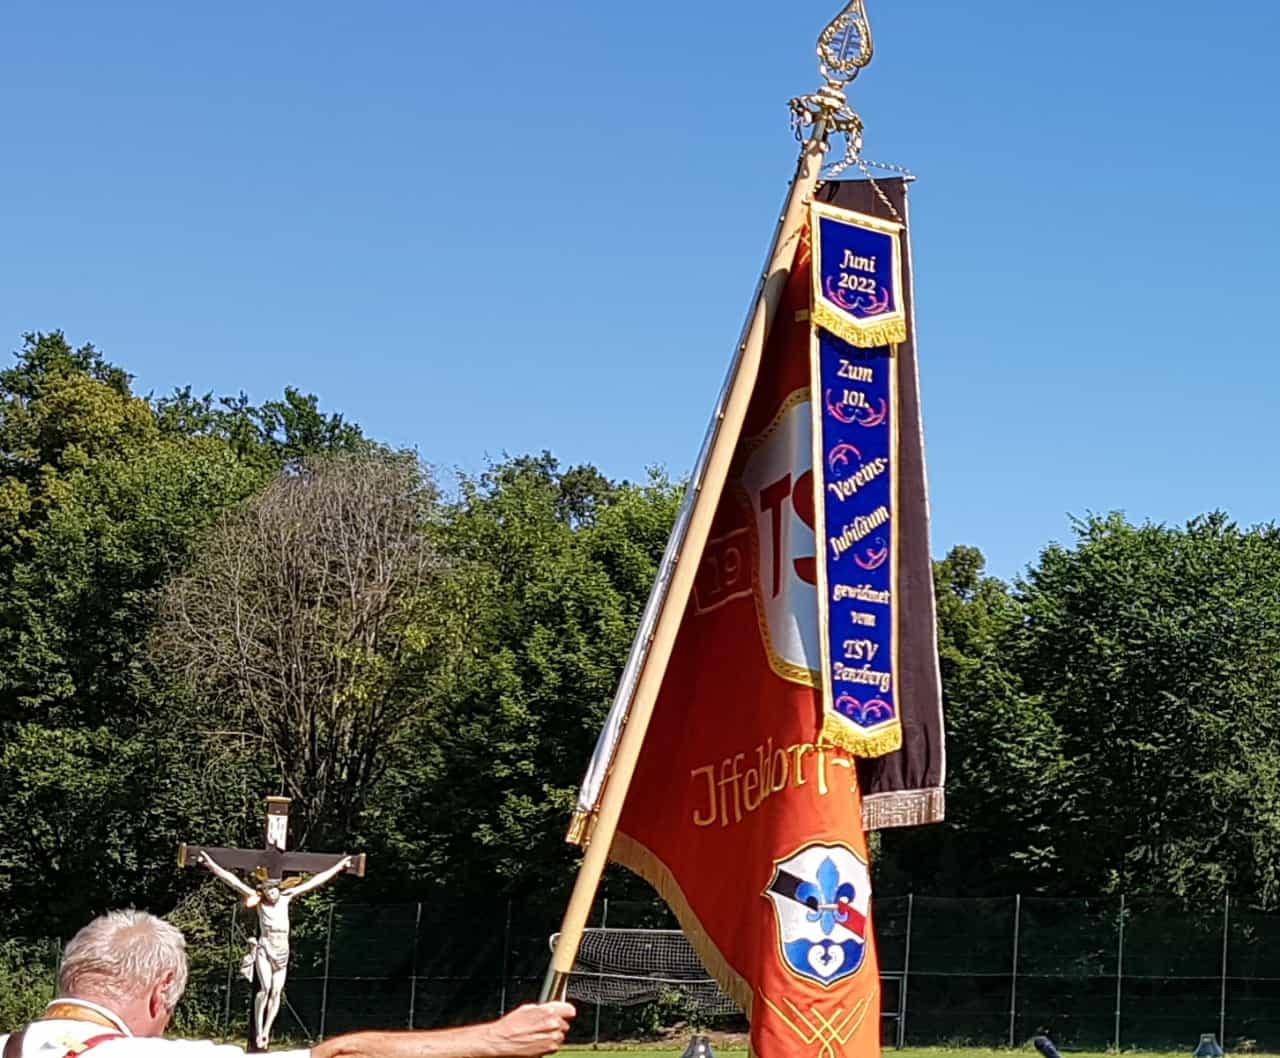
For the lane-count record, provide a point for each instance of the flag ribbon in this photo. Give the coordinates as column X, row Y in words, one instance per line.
column 857, row 320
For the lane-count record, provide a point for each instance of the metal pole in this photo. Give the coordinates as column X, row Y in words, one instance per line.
column 1119, row 973
column 1222, row 1005
column 324, row 987
column 413, row 970
column 604, row 924
column 506, row 956
column 231, row 963
column 1013, row 984
column 906, row 972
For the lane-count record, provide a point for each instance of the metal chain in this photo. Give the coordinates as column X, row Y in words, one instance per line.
column 852, row 158
column 866, row 171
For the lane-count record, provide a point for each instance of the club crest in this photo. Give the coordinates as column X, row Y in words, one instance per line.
column 821, row 897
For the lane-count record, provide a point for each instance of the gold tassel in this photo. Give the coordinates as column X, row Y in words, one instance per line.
column 581, row 826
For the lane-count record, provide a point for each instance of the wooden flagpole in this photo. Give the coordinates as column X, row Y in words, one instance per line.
column 825, row 112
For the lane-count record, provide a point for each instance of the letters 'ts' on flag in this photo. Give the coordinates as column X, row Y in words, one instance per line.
column 801, row 705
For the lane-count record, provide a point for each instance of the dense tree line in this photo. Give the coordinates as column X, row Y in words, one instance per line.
column 203, row 600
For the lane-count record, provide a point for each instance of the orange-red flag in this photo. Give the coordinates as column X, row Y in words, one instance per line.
column 746, row 817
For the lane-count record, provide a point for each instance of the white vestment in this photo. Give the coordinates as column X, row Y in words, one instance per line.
column 55, row 1038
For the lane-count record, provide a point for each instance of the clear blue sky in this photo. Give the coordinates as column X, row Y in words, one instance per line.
column 478, row 228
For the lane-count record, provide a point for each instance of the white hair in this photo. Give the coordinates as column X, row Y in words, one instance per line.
column 121, row 954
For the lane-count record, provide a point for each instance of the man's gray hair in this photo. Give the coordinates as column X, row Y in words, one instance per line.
column 121, row 954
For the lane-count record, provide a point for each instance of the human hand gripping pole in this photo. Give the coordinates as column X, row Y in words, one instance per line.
column 844, row 48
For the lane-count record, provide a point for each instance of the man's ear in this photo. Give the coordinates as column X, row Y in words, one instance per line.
column 156, row 1004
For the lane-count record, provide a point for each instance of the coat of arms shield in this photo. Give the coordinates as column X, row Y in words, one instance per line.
column 821, row 898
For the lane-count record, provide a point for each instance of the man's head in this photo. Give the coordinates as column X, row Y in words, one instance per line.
column 132, row 963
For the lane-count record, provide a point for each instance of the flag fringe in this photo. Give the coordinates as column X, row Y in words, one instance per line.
column 635, row 857
column 873, row 336
column 903, row 808
column 847, row 736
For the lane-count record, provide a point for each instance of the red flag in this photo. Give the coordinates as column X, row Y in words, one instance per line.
column 741, row 812
column 739, row 815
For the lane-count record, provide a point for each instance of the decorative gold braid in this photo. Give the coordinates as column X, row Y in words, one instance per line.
column 828, row 1030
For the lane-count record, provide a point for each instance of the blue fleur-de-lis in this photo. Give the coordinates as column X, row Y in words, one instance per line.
column 824, row 899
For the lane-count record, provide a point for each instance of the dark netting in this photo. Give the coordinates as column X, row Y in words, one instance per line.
column 628, row 967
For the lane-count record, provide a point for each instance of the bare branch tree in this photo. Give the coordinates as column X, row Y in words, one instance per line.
column 305, row 615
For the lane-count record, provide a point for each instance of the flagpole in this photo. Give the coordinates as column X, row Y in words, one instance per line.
column 822, row 113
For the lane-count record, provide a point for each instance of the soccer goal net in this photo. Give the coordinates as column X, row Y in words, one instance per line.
column 627, row 967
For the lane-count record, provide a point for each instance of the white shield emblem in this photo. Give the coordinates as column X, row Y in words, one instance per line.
column 778, row 481
column 821, row 897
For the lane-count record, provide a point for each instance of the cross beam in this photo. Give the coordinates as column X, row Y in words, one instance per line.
column 272, row 859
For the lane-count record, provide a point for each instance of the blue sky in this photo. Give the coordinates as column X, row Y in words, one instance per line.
column 511, row 226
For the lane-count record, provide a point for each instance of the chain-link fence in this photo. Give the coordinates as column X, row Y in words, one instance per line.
column 1092, row 973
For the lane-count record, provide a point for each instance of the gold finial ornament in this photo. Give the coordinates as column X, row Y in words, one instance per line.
column 844, row 48
column 845, row 45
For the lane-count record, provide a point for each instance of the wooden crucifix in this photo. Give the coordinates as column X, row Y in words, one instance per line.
column 272, row 861
column 271, row 894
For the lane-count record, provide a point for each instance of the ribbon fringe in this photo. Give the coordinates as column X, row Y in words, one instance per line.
column 864, row 336
column 850, row 737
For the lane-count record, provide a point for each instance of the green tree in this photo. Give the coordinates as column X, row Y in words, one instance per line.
column 102, row 494
column 1156, row 650
column 1003, row 755
column 552, row 571
column 306, row 618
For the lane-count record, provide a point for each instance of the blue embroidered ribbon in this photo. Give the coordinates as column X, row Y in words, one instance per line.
column 857, row 320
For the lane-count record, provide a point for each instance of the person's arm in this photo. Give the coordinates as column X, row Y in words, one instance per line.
column 317, row 880
column 205, row 860
column 529, row 1031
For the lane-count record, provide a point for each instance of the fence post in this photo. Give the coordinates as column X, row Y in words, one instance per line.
column 506, row 956
column 231, row 963
column 604, row 924
column 324, row 987
column 413, row 970
column 1013, row 984
column 1222, row 1004
column 906, row 973
column 1119, row 972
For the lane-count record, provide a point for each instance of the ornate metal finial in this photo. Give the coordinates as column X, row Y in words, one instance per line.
column 844, row 48
column 845, row 45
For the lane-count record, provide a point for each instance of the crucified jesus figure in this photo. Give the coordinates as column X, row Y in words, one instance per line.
column 269, row 956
